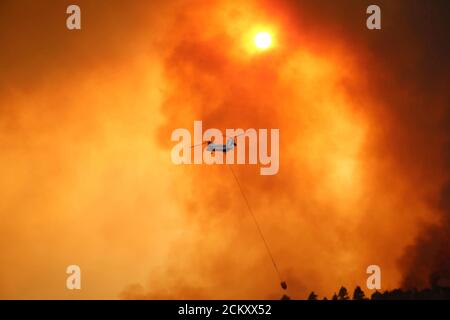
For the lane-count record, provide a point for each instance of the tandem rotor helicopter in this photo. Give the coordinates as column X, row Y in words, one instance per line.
column 227, row 147
column 219, row 147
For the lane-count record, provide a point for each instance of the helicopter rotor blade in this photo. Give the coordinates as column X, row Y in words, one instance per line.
column 235, row 136
column 199, row 145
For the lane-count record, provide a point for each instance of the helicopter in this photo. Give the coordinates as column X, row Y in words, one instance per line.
column 228, row 146
column 213, row 147
column 220, row 147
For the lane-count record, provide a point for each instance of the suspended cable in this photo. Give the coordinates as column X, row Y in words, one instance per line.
column 283, row 283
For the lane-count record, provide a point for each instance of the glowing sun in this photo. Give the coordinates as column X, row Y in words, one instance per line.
column 263, row 40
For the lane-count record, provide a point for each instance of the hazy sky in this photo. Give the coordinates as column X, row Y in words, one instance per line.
column 86, row 174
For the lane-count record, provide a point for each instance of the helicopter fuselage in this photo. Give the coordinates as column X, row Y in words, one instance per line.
column 213, row 147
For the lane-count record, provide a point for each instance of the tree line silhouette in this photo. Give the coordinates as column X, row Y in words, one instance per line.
column 434, row 293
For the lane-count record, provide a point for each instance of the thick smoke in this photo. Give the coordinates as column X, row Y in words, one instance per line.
column 364, row 136
column 389, row 92
column 85, row 132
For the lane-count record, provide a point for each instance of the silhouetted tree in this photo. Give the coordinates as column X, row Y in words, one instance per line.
column 358, row 294
column 312, row 296
column 376, row 296
column 334, row 297
column 343, row 294
column 285, row 297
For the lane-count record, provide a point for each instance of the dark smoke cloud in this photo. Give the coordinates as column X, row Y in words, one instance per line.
column 409, row 72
